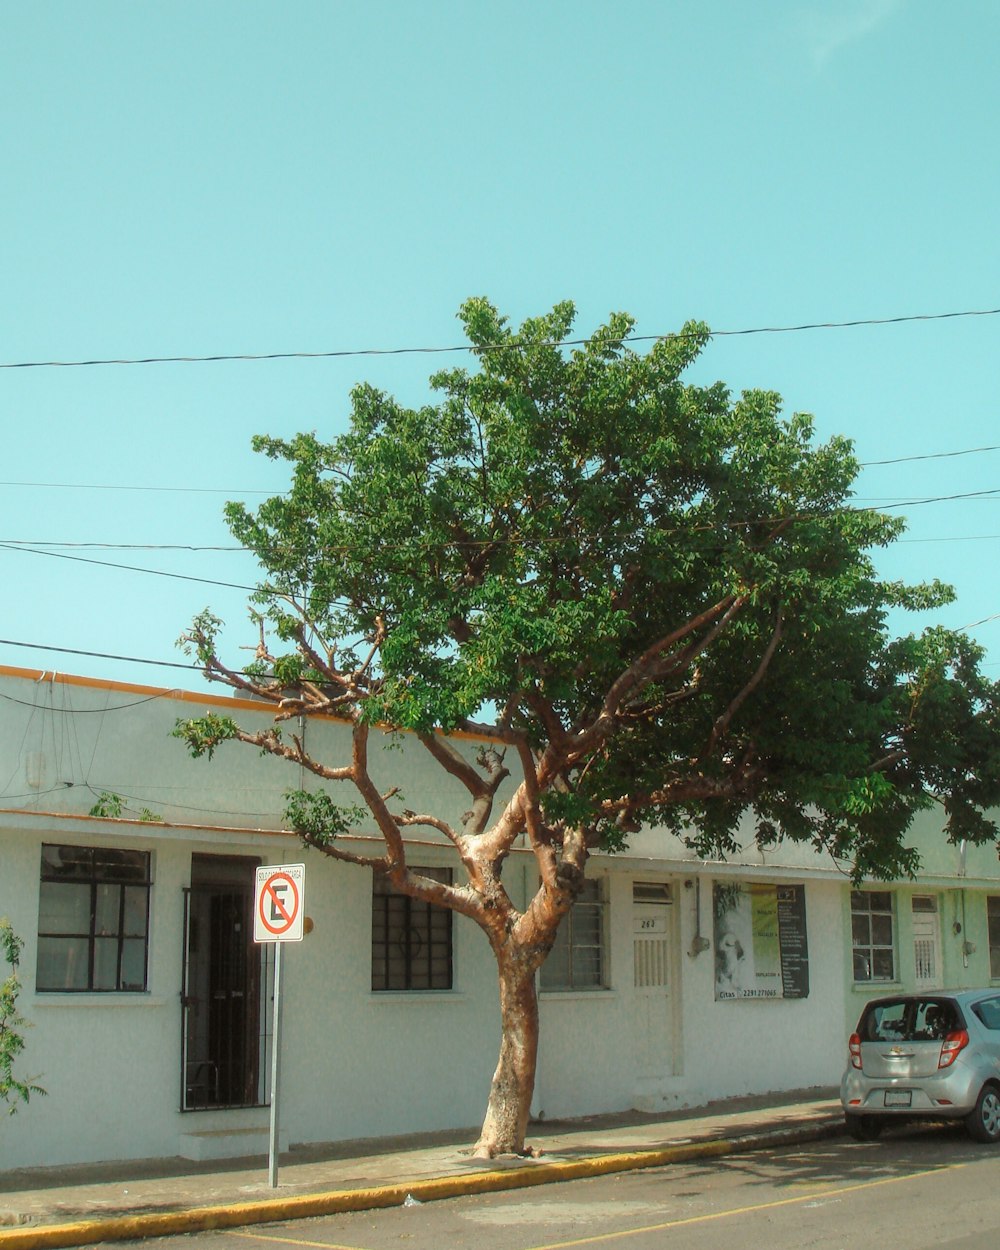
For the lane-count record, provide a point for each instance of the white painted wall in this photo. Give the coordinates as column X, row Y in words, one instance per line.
column 719, row 1049
column 358, row 1064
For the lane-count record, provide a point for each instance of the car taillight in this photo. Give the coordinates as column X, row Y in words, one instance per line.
column 854, row 1046
column 951, row 1047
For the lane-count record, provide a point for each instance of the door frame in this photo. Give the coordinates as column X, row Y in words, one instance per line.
column 237, row 1076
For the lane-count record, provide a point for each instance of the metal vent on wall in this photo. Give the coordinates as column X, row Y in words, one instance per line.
column 651, row 955
column 652, row 892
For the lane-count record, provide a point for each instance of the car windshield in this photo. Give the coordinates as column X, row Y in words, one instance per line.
column 909, row 1020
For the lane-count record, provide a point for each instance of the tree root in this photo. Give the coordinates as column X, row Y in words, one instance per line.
column 483, row 1150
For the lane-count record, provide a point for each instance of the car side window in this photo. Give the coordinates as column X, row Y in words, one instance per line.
column 988, row 1012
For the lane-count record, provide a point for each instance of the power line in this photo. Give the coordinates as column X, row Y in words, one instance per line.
column 99, row 655
column 499, row 347
column 935, row 455
column 219, row 490
column 957, row 538
column 194, row 668
column 179, row 490
column 28, row 543
column 984, row 621
column 216, row 490
column 81, row 711
column 345, row 549
column 129, row 568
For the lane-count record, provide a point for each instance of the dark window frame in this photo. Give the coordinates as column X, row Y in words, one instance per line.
column 413, row 942
column 105, row 871
column 867, row 907
column 592, row 903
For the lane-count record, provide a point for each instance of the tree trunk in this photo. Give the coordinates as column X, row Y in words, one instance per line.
column 509, row 1105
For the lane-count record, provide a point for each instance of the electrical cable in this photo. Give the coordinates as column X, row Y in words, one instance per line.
column 178, row 490
column 81, row 711
column 935, row 455
column 498, row 347
column 100, row 655
column 36, row 542
column 346, row 549
column 130, row 568
column 214, row 490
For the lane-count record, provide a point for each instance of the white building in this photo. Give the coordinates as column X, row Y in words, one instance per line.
column 676, row 981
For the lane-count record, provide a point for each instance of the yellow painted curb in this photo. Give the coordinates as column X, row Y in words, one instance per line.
column 335, row 1202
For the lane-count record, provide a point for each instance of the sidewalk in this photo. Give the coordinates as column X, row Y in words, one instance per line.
column 42, row 1208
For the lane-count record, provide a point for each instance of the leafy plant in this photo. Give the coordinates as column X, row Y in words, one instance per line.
column 13, row 1090
column 114, row 807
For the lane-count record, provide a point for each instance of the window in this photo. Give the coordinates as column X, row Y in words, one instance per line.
column 411, row 939
column 993, row 921
column 909, row 1019
column 871, row 931
column 576, row 961
column 93, row 919
column 989, row 1012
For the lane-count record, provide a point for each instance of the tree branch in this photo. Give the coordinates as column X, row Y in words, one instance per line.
column 482, row 789
column 721, row 726
column 378, row 863
column 408, row 820
column 268, row 740
column 652, row 666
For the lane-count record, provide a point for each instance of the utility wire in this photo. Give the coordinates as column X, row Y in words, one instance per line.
column 179, row 490
column 130, row 568
column 87, row 546
column 81, row 711
column 498, row 347
column 490, row 542
column 936, row 455
column 215, row 490
column 99, row 655
column 28, row 544
column 196, row 668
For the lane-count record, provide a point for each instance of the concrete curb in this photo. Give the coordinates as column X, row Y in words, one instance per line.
column 334, row 1202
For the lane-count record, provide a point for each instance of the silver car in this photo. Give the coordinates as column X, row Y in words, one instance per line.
column 934, row 1055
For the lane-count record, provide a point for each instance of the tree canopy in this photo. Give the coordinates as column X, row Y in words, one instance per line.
column 659, row 595
column 668, row 584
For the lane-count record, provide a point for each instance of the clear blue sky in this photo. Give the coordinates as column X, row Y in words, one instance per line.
column 237, row 176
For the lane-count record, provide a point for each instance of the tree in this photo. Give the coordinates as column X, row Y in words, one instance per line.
column 12, row 1089
column 661, row 595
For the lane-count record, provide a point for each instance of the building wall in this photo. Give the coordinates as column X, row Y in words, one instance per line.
column 711, row 1048
column 361, row 1064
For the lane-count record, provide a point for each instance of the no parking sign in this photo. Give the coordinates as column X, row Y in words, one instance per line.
column 278, row 907
column 278, row 912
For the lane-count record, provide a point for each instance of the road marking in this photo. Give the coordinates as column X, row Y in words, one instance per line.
column 296, row 1241
column 761, row 1206
column 597, row 1238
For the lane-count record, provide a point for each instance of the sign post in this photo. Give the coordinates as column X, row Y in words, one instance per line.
column 278, row 914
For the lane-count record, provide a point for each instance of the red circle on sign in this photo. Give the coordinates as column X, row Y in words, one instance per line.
column 288, row 916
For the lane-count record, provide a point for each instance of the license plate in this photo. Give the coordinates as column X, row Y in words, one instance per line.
column 898, row 1097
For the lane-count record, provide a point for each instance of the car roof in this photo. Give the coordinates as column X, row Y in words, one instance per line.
column 958, row 996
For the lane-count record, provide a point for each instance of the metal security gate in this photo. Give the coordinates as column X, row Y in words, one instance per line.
column 926, row 942
column 227, row 985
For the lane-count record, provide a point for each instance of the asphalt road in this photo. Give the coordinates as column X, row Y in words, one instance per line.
column 925, row 1187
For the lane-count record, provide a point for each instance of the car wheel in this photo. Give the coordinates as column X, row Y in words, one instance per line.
column 863, row 1127
column 983, row 1121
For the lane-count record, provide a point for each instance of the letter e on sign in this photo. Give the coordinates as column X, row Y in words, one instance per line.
column 278, row 903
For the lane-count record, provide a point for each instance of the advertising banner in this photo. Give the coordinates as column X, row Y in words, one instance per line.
column 760, row 941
